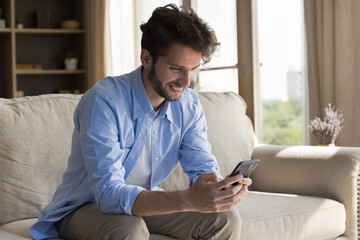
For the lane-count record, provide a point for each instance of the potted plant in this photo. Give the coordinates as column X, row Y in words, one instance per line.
column 326, row 131
column 19, row 23
column 71, row 59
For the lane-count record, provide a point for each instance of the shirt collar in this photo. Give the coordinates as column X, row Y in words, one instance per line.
column 141, row 102
column 166, row 111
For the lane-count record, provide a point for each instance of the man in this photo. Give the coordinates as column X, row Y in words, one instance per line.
column 130, row 132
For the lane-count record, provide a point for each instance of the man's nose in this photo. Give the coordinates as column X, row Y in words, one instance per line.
column 189, row 76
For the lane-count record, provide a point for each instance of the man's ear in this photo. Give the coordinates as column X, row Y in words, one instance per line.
column 146, row 59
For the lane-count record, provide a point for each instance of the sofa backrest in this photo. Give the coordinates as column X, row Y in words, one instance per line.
column 230, row 133
column 35, row 140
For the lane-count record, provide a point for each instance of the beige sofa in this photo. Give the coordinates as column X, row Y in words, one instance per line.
column 298, row 192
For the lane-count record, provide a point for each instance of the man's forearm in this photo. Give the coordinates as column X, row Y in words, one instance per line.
column 206, row 195
column 150, row 203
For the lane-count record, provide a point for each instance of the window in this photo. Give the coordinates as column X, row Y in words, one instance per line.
column 221, row 73
column 270, row 31
column 124, row 34
column 280, row 48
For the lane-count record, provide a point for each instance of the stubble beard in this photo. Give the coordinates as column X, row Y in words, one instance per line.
column 159, row 87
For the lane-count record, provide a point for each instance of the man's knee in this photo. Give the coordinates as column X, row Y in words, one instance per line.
column 135, row 229
column 229, row 224
column 232, row 217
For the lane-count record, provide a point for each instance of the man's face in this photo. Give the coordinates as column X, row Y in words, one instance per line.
column 172, row 73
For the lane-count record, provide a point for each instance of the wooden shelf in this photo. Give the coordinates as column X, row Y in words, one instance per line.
column 42, row 46
column 5, row 30
column 48, row 71
column 49, row 31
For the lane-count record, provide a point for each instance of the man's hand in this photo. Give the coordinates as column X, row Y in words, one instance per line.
column 209, row 195
column 206, row 195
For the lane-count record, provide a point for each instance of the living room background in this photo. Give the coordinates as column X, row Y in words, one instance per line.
column 330, row 61
column 221, row 74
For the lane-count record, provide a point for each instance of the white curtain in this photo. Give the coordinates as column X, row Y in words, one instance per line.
column 123, row 34
column 120, row 50
column 333, row 49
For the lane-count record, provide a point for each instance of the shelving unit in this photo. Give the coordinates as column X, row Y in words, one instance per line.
column 42, row 46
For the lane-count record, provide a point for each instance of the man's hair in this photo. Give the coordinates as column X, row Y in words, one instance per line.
column 169, row 25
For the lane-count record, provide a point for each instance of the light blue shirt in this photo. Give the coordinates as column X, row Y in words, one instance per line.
column 112, row 124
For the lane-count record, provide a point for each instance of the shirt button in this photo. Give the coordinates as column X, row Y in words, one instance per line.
column 156, row 158
column 156, row 132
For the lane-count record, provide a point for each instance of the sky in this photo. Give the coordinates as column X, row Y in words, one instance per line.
column 280, row 44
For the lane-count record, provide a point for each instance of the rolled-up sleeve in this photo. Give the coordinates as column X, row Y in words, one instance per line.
column 103, row 153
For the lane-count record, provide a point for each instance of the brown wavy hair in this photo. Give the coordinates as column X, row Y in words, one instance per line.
column 169, row 25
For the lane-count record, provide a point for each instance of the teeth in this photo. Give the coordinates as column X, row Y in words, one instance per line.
column 177, row 88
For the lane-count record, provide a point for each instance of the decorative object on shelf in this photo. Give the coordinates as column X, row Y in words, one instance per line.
column 29, row 66
column 19, row 23
column 326, row 131
column 43, row 19
column 71, row 59
column 70, row 24
column 2, row 21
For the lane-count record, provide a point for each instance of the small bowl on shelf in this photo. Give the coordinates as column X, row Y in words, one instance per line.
column 70, row 24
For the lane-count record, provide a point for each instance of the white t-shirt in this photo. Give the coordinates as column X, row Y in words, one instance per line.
column 140, row 175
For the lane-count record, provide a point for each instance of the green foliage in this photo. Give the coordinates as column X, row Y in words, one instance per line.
column 282, row 123
column 69, row 54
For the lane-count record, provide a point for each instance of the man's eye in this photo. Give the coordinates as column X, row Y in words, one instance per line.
column 178, row 69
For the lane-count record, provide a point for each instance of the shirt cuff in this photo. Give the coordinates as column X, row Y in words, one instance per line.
column 134, row 191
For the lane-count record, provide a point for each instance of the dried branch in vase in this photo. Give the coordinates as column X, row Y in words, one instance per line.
column 327, row 131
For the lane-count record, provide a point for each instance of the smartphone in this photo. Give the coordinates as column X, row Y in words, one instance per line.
column 245, row 168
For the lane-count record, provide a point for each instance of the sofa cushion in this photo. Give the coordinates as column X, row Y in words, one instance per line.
column 20, row 228
column 230, row 133
column 285, row 216
column 34, row 146
column 7, row 236
column 268, row 216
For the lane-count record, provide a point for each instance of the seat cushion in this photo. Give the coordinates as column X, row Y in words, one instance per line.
column 7, row 236
column 20, row 228
column 267, row 216
column 284, row 216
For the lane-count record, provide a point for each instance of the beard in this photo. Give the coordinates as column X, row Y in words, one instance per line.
column 160, row 88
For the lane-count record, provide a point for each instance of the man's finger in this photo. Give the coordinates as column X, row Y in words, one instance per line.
column 230, row 180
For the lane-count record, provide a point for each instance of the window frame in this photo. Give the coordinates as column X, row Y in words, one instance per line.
column 248, row 71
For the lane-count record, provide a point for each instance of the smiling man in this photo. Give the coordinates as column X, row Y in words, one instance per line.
column 130, row 133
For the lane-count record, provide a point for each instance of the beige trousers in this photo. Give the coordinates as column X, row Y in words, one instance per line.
column 88, row 222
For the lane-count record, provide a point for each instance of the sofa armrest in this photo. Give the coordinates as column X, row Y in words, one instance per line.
column 328, row 172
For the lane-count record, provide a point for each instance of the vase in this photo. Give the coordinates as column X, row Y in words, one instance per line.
column 71, row 63
column 326, row 145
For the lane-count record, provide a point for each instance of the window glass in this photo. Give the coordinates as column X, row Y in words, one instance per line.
column 218, row 81
column 222, row 18
column 280, row 42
